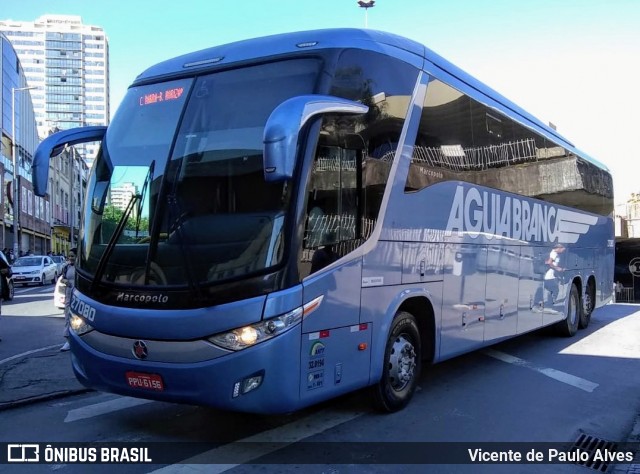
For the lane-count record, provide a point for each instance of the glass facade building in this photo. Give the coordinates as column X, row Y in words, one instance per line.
column 22, row 138
column 68, row 62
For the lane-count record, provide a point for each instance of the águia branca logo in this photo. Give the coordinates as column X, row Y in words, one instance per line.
column 496, row 215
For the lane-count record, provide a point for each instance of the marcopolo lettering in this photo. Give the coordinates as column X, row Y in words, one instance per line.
column 495, row 215
column 138, row 298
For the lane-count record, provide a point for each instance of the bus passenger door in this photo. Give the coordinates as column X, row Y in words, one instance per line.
column 463, row 308
column 335, row 346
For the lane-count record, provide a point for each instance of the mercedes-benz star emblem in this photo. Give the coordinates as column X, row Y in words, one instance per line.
column 140, row 350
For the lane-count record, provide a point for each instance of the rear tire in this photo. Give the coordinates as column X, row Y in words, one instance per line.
column 401, row 365
column 589, row 305
column 569, row 325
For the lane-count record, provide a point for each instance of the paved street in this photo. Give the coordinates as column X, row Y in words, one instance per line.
column 535, row 388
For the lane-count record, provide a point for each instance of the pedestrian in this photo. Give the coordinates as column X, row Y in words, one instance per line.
column 618, row 292
column 68, row 278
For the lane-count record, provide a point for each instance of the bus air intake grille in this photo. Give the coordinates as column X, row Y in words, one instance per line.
column 591, row 444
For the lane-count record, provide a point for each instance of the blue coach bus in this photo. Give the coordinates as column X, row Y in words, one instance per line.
column 274, row 222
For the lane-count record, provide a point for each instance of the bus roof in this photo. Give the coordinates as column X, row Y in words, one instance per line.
column 274, row 45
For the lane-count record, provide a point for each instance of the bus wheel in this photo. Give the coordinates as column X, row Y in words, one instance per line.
column 569, row 325
column 402, row 362
column 588, row 306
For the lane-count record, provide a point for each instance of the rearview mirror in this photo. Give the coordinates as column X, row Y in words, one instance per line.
column 53, row 145
column 284, row 124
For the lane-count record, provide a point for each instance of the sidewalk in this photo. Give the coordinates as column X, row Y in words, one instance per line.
column 36, row 376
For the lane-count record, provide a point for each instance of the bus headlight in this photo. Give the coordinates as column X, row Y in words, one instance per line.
column 241, row 338
column 247, row 336
column 79, row 325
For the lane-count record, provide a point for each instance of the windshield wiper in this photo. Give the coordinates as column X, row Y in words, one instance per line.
column 137, row 200
column 102, row 263
column 147, row 180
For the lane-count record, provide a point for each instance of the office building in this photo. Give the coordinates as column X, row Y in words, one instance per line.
column 19, row 139
column 68, row 62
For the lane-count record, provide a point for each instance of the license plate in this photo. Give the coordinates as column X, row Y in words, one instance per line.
column 145, row 381
column 18, row 277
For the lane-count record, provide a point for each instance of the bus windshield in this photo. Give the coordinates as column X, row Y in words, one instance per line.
column 177, row 195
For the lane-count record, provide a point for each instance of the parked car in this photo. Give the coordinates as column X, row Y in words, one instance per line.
column 6, row 278
column 38, row 269
column 60, row 260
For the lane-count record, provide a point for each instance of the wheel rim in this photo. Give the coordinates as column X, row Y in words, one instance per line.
column 402, row 363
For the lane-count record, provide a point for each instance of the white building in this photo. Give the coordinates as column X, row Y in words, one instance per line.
column 121, row 195
column 69, row 64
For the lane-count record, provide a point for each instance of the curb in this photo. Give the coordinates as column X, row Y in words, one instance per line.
column 42, row 398
column 36, row 376
column 634, row 437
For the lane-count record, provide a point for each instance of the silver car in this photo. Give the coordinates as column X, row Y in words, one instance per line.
column 60, row 261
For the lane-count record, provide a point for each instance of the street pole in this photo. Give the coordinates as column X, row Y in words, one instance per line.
column 16, row 190
column 73, row 195
column 366, row 5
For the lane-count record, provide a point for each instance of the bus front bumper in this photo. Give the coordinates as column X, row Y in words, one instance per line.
column 260, row 379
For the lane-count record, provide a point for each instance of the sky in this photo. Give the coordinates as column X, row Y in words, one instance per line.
column 574, row 63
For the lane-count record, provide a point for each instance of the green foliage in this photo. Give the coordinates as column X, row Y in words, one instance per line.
column 112, row 215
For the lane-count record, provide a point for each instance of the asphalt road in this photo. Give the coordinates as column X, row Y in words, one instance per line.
column 533, row 389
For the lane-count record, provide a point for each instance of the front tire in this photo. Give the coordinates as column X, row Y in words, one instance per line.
column 569, row 325
column 402, row 364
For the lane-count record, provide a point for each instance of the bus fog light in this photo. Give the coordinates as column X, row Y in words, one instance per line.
column 248, row 384
column 79, row 325
column 251, row 383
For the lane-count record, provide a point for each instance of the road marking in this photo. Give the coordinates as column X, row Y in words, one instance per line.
column 558, row 375
column 262, row 444
column 103, row 408
column 17, row 356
